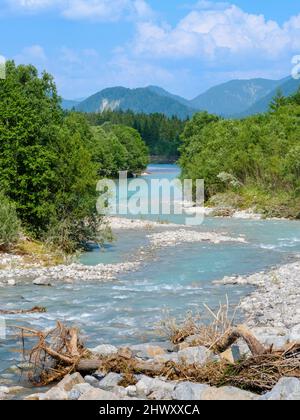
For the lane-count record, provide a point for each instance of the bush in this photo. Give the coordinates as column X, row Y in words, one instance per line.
column 9, row 223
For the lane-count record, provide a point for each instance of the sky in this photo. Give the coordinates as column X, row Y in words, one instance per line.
column 183, row 46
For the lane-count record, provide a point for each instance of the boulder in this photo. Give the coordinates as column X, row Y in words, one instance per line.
column 42, row 281
column 34, row 397
column 11, row 282
column 189, row 391
column 96, row 394
column 69, row 381
column 91, row 380
column 110, row 381
column 203, row 392
column 55, row 393
column 147, row 351
column 195, row 355
column 285, row 389
column 78, row 390
column 227, row 393
column 104, row 350
column 146, row 386
column 131, row 391
column 295, row 334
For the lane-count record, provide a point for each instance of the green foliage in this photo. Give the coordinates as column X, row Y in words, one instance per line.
column 9, row 223
column 261, row 152
column 46, row 163
column 137, row 152
column 160, row 133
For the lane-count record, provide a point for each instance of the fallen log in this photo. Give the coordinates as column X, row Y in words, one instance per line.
column 118, row 362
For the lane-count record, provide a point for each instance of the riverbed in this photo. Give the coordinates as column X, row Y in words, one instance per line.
column 169, row 281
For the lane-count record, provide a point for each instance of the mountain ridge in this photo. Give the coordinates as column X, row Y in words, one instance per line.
column 233, row 99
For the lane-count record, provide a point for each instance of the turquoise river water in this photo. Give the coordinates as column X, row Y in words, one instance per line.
column 174, row 280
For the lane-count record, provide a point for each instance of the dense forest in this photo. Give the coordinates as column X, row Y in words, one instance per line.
column 50, row 162
column 252, row 162
column 160, row 133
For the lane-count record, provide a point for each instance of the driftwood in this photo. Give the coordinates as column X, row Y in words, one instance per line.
column 233, row 334
column 60, row 351
column 35, row 309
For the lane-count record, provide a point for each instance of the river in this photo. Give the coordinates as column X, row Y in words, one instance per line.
column 171, row 281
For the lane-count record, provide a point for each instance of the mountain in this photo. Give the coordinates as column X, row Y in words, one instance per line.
column 234, row 97
column 287, row 87
column 68, row 104
column 162, row 92
column 147, row 100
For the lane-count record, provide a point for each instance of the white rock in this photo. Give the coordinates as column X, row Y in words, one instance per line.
column 195, row 355
column 55, row 393
column 42, row 281
column 131, row 390
column 97, row 394
column 78, row 390
column 110, row 381
column 295, row 333
column 11, row 282
column 285, row 389
column 227, row 393
column 104, row 350
column 69, row 381
column 189, row 391
column 147, row 386
column 91, row 380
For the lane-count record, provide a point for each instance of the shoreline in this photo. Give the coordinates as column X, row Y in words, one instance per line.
column 272, row 312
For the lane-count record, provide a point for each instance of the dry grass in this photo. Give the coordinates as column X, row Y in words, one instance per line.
column 35, row 252
column 205, row 333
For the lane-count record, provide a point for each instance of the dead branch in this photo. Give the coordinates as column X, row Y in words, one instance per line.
column 35, row 309
column 233, row 334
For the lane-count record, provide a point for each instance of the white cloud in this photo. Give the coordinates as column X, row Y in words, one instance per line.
column 212, row 33
column 110, row 10
column 32, row 54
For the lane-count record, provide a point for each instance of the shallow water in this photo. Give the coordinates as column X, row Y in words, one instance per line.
column 173, row 280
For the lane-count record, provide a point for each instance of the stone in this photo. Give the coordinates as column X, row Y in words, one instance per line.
column 285, row 389
column 91, row 380
column 78, row 390
column 11, row 282
column 34, row 397
column 189, row 391
column 68, row 382
column 55, row 393
column 295, row 333
column 167, row 357
column 97, row 394
column 104, row 350
column 195, row 355
column 3, row 396
column 131, row 390
column 146, row 386
column 42, row 281
column 147, row 351
column 232, row 355
column 110, row 381
column 227, row 393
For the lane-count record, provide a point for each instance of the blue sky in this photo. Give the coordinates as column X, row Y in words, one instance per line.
column 184, row 46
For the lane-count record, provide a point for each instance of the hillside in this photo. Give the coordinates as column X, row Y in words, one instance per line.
column 144, row 100
column 234, row 97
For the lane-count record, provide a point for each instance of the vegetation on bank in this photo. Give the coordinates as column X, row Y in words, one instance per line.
column 252, row 162
column 160, row 133
column 50, row 163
